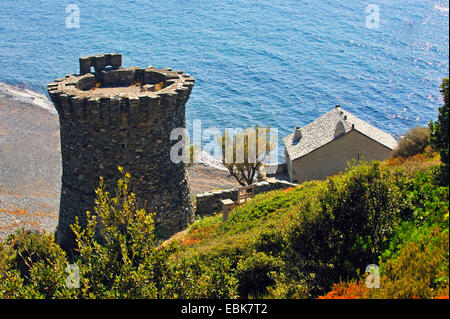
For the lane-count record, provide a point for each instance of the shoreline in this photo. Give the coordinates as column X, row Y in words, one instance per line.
column 30, row 171
column 22, row 94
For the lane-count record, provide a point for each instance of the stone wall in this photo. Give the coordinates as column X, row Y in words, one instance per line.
column 100, row 62
column 99, row 133
column 209, row 203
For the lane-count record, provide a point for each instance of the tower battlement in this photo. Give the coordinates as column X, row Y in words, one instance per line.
column 100, row 62
column 121, row 117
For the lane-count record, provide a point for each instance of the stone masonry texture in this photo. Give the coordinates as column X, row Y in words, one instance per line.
column 100, row 132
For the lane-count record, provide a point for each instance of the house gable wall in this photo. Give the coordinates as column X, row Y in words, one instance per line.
column 331, row 158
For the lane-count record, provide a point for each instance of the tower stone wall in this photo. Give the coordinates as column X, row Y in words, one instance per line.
column 121, row 117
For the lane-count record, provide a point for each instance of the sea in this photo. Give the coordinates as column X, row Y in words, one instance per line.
column 277, row 63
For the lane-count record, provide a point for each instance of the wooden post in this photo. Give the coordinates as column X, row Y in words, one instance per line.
column 227, row 206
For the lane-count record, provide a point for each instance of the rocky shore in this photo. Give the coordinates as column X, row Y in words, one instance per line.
column 30, row 168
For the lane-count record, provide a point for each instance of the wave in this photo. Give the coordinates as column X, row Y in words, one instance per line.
column 211, row 161
column 440, row 8
column 25, row 95
column 216, row 162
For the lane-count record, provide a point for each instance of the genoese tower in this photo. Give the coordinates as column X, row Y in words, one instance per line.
column 112, row 116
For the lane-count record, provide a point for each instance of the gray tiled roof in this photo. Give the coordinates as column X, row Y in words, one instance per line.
column 322, row 131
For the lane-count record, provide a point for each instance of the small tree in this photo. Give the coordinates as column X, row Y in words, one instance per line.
column 123, row 261
column 116, row 263
column 439, row 133
column 413, row 142
column 117, row 257
column 244, row 153
column 32, row 266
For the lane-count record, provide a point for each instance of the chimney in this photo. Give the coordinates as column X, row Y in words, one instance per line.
column 297, row 134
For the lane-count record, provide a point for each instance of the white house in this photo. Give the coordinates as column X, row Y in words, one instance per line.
column 323, row 147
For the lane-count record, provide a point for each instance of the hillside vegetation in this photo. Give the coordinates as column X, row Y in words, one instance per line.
column 312, row 241
column 296, row 243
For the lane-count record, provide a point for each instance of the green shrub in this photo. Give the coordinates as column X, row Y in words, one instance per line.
column 117, row 258
column 286, row 287
column 282, row 244
column 198, row 277
column 439, row 133
column 32, row 265
column 425, row 206
column 344, row 227
column 217, row 280
column 419, row 271
column 127, row 264
column 296, row 244
column 125, row 257
column 428, row 200
column 253, row 274
column 271, row 241
column 413, row 142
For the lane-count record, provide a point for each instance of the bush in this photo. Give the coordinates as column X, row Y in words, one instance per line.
column 415, row 264
column 411, row 165
column 286, row 287
column 253, row 274
column 32, row 265
column 429, row 201
column 122, row 261
column 124, row 257
column 419, row 271
column 347, row 290
column 344, row 227
column 127, row 264
column 198, row 277
column 297, row 244
column 413, row 142
column 280, row 244
column 439, row 133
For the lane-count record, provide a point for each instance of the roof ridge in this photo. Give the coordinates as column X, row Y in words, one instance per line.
column 344, row 118
column 321, row 131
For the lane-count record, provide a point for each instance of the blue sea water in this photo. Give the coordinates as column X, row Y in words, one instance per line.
column 281, row 63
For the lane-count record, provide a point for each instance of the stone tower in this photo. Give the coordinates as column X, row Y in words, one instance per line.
column 121, row 117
